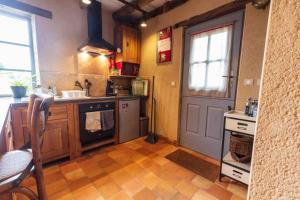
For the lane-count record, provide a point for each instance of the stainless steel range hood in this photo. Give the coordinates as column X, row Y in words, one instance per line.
column 96, row 44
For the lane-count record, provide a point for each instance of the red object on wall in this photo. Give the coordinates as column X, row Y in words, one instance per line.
column 164, row 45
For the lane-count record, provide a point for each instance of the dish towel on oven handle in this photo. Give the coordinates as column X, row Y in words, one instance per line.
column 93, row 121
column 107, row 119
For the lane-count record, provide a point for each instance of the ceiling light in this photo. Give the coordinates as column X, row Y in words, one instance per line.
column 143, row 24
column 86, row 2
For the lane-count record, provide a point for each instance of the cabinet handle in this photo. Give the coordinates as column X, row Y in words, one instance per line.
column 242, row 124
column 49, row 113
column 237, row 172
column 236, row 175
column 127, row 44
column 242, row 128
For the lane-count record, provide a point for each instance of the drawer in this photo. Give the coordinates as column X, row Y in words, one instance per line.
column 57, row 112
column 235, row 173
column 240, row 126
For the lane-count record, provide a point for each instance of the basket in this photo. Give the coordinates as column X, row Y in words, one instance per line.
column 241, row 148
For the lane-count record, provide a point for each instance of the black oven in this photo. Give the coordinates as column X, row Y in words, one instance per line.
column 87, row 137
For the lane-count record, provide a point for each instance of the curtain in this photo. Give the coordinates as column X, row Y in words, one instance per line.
column 210, row 62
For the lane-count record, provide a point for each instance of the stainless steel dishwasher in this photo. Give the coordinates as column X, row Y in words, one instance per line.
column 129, row 115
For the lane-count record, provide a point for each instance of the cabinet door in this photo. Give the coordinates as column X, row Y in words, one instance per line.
column 130, row 45
column 56, row 141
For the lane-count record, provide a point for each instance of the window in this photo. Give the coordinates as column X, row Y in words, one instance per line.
column 210, row 61
column 16, row 51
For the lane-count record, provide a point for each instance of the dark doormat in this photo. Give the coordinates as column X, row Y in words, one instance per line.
column 195, row 164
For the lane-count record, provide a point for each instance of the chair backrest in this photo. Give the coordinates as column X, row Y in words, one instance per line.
column 37, row 115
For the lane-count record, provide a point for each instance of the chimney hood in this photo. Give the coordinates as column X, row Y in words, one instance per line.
column 96, row 44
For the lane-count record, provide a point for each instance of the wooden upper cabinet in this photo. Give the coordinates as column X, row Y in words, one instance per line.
column 128, row 40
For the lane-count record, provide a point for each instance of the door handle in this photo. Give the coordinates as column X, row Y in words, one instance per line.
column 229, row 77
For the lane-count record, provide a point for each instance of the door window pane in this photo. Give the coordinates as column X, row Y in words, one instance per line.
column 14, row 29
column 219, row 45
column 197, row 82
column 209, row 61
column 15, row 57
column 199, row 49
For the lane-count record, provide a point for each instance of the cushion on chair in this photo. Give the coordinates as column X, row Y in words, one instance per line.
column 13, row 163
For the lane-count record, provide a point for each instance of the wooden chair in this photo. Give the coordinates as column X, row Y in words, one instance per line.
column 16, row 165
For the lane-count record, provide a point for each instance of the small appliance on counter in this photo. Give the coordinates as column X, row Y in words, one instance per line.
column 120, row 90
column 251, row 107
column 110, row 88
column 140, row 87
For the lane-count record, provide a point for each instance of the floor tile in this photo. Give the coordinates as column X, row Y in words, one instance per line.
column 133, row 186
column 109, row 189
column 203, row 195
column 238, row 190
column 88, row 192
column 202, row 182
column 219, row 192
column 179, row 196
column 150, row 180
column 164, row 190
column 145, row 194
column 186, row 188
column 121, row 196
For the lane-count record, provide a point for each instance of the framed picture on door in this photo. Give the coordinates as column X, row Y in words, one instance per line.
column 164, row 45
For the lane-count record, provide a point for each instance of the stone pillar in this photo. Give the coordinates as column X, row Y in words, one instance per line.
column 276, row 161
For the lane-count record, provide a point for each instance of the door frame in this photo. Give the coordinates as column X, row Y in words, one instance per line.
column 184, row 51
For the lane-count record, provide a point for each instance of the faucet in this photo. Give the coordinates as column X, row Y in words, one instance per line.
column 87, row 85
column 86, row 88
column 78, row 84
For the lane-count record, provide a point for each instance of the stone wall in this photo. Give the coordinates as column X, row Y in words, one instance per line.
column 276, row 161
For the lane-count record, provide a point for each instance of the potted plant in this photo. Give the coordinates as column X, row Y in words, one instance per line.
column 19, row 88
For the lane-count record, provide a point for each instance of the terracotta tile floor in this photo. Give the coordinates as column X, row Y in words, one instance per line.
column 134, row 170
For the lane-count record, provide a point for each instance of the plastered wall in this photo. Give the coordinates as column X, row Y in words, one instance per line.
column 57, row 41
column 168, row 96
column 276, row 161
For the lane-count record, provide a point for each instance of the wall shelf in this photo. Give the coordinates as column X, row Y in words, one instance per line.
column 122, row 76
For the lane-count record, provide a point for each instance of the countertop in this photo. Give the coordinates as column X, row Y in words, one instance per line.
column 7, row 102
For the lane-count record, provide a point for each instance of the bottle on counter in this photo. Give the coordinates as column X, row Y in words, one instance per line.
column 248, row 106
column 254, row 109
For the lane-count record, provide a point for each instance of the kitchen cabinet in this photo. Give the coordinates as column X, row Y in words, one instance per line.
column 7, row 135
column 56, row 137
column 56, row 142
column 127, row 39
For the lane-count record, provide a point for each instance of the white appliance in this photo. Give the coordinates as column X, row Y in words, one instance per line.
column 129, row 116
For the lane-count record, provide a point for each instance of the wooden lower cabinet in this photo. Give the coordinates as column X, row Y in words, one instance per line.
column 56, row 140
column 59, row 129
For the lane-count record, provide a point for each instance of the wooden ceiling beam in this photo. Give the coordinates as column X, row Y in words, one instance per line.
column 126, row 10
column 134, row 6
column 217, row 12
column 169, row 5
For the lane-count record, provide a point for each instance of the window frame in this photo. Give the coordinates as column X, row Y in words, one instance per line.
column 29, row 20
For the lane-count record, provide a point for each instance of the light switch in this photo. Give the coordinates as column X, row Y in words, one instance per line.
column 173, row 83
column 248, row 82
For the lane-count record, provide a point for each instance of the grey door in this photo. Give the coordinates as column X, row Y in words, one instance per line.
column 211, row 60
column 129, row 116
